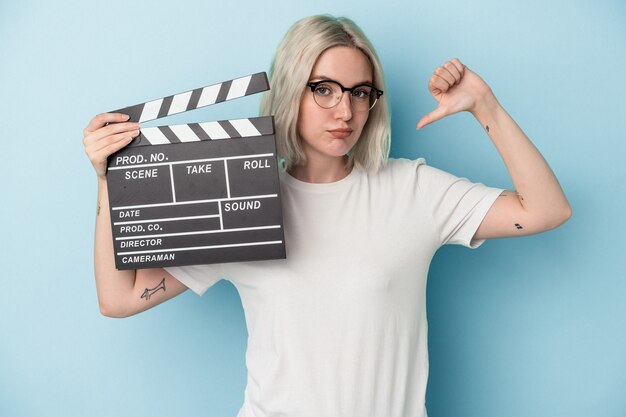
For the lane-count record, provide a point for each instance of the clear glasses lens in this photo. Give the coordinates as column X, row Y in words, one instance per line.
column 328, row 94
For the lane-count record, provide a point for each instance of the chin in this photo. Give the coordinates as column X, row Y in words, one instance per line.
column 342, row 145
column 339, row 152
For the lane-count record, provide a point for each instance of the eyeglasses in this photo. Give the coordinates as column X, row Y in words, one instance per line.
column 328, row 93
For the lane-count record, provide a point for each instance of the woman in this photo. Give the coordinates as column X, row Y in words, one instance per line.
column 339, row 327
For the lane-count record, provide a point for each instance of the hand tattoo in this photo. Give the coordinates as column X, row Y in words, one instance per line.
column 487, row 128
column 519, row 226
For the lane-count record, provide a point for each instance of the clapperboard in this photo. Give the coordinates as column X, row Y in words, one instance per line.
column 197, row 193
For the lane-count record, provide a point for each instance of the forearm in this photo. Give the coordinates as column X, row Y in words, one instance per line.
column 113, row 286
column 120, row 293
column 538, row 189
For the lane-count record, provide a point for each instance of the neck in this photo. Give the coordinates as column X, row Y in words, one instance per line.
column 322, row 171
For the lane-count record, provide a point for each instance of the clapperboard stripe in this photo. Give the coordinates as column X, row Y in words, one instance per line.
column 169, row 134
column 185, row 133
column 193, row 132
column 229, row 129
column 245, row 128
column 164, row 109
column 214, row 130
column 265, row 125
column 200, row 97
column 208, row 95
column 199, row 132
column 224, row 89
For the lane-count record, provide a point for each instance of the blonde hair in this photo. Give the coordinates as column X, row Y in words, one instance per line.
column 295, row 57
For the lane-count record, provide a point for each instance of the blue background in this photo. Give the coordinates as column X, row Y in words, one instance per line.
column 522, row 327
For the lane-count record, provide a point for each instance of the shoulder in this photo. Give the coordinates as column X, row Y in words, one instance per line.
column 419, row 169
column 404, row 174
column 398, row 175
column 402, row 165
column 398, row 168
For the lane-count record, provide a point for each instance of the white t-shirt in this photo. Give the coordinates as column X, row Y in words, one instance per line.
column 338, row 329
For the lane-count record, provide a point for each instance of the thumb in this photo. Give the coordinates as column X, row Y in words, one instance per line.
column 433, row 116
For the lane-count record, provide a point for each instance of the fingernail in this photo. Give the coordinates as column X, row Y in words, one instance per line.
column 136, row 132
column 126, row 117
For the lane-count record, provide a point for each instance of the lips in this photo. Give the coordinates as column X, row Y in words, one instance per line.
column 340, row 133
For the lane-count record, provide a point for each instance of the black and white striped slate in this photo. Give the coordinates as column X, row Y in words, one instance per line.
column 194, row 99
column 194, row 132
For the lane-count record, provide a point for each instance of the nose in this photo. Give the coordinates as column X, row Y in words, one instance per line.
column 344, row 108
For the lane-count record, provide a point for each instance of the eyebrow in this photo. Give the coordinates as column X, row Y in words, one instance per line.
column 324, row 77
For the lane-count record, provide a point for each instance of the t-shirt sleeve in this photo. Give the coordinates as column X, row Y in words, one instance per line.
column 197, row 278
column 457, row 205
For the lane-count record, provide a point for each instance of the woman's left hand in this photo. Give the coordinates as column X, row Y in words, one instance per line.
column 456, row 88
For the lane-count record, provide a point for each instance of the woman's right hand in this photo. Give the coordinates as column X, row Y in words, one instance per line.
column 101, row 139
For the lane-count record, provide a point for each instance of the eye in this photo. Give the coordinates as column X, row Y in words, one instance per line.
column 363, row 93
column 323, row 90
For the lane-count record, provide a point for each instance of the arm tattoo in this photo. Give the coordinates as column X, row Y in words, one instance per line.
column 506, row 194
column 149, row 291
column 519, row 226
column 98, row 211
column 487, row 128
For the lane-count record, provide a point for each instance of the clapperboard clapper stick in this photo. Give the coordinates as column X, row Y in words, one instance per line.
column 197, row 193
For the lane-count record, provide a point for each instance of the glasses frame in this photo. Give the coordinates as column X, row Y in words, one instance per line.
column 313, row 85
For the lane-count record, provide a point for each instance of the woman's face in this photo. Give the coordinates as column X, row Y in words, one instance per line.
column 333, row 132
